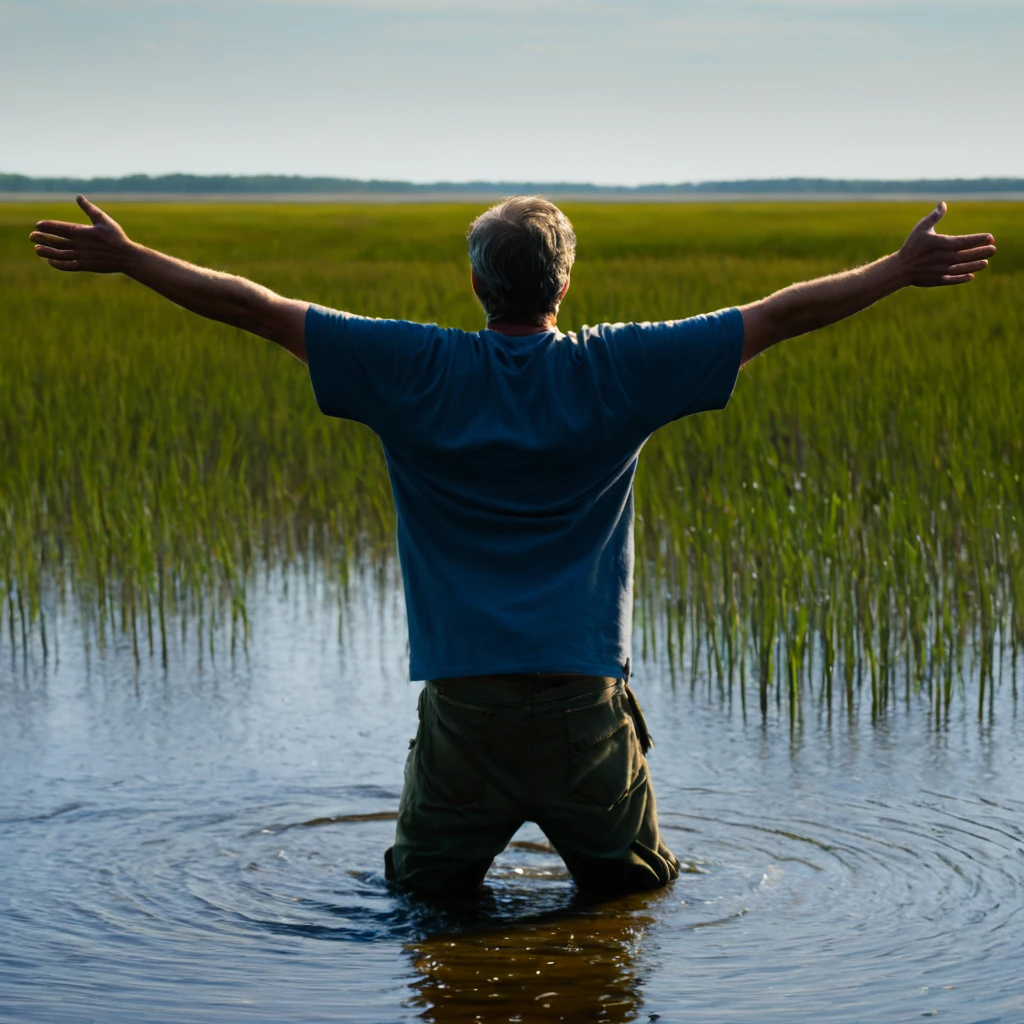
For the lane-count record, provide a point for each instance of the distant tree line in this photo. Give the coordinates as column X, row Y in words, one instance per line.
column 201, row 184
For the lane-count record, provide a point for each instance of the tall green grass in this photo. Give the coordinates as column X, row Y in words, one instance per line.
column 851, row 525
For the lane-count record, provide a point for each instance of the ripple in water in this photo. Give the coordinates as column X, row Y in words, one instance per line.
column 875, row 909
column 163, row 862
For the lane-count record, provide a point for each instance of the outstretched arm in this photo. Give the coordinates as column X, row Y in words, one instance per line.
column 104, row 248
column 925, row 260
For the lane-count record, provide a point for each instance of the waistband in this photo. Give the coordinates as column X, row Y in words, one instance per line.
column 523, row 688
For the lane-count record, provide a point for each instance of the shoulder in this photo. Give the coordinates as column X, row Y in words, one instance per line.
column 325, row 318
column 720, row 321
column 339, row 329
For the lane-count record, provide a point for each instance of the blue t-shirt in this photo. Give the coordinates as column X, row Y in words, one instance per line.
column 512, row 463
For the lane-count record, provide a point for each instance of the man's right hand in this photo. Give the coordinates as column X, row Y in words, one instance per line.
column 925, row 259
column 931, row 260
column 102, row 247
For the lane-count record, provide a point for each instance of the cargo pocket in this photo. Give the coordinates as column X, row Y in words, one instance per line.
column 605, row 761
column 451, row 748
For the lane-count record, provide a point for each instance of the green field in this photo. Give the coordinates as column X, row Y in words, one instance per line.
column 850, row 528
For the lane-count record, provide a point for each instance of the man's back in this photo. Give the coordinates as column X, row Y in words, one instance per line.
column 512, row 461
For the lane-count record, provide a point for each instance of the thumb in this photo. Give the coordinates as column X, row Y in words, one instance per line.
column 933, row 218
column 95, row 214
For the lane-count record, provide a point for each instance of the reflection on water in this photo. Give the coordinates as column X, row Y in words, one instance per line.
column 577, row 964
column 205, row 845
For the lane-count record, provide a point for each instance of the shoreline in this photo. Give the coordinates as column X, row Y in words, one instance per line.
column 405, row 198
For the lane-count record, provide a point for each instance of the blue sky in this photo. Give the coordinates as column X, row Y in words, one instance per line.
column 611, row 92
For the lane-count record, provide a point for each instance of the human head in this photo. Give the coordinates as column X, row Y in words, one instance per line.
column 521, row 251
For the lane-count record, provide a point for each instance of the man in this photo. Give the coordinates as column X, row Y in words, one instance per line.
column 512, row 452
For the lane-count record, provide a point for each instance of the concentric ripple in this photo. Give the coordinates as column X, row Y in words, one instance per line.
column 209, row 848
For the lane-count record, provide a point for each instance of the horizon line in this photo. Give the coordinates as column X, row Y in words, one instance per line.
column 256, row 184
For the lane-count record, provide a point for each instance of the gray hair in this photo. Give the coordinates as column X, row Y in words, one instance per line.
column 521, row 251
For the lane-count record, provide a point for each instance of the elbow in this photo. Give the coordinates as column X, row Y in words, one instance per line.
column 257, row 318
column 762, row 328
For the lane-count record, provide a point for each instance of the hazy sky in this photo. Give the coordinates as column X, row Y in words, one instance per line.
column 580, row 90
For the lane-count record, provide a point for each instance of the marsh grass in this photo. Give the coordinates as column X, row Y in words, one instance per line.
column 848, row 531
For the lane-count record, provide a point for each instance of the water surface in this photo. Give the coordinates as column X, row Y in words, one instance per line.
column 202, row 843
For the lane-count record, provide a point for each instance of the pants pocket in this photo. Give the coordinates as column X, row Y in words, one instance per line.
column 605, row 760
column 451, row 748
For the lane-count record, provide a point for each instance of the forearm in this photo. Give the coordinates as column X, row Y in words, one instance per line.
column 104, row 248
column 210, row 293
column 810, row 305
column 925, row 260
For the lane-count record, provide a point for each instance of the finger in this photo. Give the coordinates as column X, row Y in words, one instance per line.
column 967, row 268
column 966, row 241
column 61, row 227
column 49, row 253
column 933, row 218
column 65, row 264
column 942, row 259
column 95, row 214
column 956, row 279
column 983, row 252
column 46, row 239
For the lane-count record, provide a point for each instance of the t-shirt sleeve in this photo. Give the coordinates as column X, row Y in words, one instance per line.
column 353, row 364
column 686, row 366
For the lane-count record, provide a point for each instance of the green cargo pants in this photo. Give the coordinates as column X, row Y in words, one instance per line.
column 492, row 752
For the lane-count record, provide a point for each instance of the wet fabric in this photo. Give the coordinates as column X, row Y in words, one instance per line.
column 512, row 463
column 492, row 753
